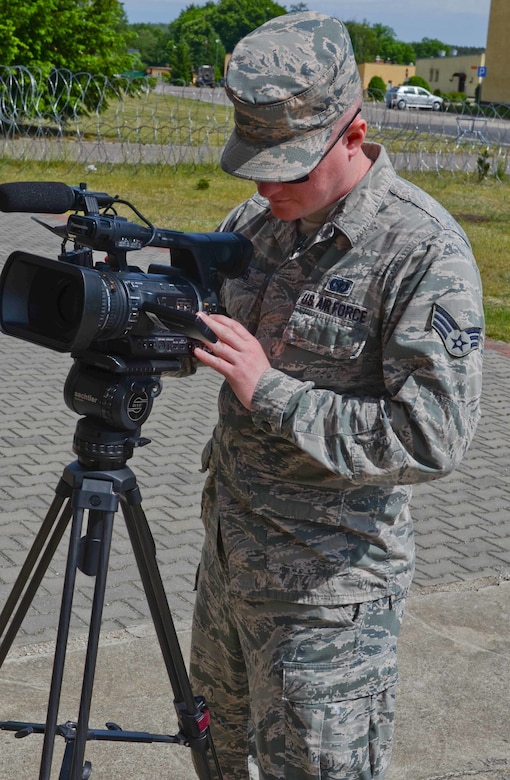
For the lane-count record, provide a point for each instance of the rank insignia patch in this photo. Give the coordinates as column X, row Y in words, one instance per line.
column 457, row 342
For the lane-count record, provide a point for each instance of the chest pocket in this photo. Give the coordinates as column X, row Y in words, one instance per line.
column 328, row 327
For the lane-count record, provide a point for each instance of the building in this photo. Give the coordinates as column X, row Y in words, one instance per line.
column 453, row 74
column 392, row 75
column 484, row 77
column 496, row 84
column 159, row 71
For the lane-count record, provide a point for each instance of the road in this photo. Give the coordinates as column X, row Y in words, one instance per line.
column 493, row 130
column 465, row 127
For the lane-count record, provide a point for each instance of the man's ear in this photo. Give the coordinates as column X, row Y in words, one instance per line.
column 356, row 134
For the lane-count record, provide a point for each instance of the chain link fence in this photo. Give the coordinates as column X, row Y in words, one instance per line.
column 82, row 119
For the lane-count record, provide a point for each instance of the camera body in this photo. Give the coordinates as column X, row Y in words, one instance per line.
column 70, row 305
column 75, row 305
column 124, row 327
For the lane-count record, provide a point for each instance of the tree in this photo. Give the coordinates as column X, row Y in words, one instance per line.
column 233, row 19
column 8, row 43
column 396, row 52
column 59, row 42
column 430, row 47
column 365, row 42
column 80, row 35
column 151, row 43
column 181, row 63
column 212, row 30
column 378, row 41
column 202, row 43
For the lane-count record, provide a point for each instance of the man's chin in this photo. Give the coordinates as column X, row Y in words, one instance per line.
column 285, row 211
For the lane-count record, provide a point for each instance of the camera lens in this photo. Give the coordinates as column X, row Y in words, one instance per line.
column 118, row 308
column 67, row 304
column 48, row 302
column 55, row 304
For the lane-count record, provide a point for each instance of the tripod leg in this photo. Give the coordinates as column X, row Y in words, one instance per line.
column 27, row 569
column 61, row 646
column 106, row 525
column 193, row 720
column 96, row 493
column 95, row 558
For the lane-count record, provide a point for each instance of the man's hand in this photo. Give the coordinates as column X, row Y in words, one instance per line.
column 237, row 355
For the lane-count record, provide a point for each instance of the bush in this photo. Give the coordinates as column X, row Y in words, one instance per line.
column 376, row 88
column 455, row 97
column 418, row 81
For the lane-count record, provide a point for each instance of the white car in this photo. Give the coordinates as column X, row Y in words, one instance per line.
column 413, row 97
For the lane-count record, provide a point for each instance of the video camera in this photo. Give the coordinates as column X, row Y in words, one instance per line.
column 72, row 304
column 122, row 326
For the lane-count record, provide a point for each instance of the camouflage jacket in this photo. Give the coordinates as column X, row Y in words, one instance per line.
column 373, row 328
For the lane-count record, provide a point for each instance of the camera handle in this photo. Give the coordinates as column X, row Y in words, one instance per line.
column 184, row 321
column 96, row 490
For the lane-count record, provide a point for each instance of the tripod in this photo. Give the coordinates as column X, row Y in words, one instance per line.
column 93, row 486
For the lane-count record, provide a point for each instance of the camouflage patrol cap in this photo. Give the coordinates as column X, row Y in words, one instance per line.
column 290, row 81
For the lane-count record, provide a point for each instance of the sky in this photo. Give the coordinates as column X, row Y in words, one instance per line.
column 455, row 22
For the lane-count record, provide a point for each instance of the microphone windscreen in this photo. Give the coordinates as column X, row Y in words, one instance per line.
column 37, row 197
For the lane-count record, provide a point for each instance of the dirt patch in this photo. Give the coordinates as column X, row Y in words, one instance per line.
column 472, row 218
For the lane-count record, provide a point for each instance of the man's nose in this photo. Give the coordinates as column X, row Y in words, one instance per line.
column 269, row 188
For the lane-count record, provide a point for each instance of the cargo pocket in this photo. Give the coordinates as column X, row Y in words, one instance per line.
column 333, row 711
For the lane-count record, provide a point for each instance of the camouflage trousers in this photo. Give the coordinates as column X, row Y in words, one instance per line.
column 296, row 691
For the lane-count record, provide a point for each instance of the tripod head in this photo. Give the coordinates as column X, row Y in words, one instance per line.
column 116, row 397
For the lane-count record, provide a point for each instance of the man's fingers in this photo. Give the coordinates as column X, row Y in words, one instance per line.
column 224, row 350
column 225, row 328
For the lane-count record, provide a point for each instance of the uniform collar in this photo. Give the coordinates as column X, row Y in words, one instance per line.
column 354, row 213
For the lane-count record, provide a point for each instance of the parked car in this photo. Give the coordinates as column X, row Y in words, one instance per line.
column 412, row 97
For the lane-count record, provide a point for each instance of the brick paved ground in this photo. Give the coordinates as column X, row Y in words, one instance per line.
column 462, row 522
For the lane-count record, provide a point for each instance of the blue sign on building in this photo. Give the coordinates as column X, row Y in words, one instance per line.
column 482, row 72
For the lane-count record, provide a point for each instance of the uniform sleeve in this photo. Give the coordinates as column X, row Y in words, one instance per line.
column 421, row 425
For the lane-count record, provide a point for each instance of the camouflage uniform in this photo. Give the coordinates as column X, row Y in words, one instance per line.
column 373, row 328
